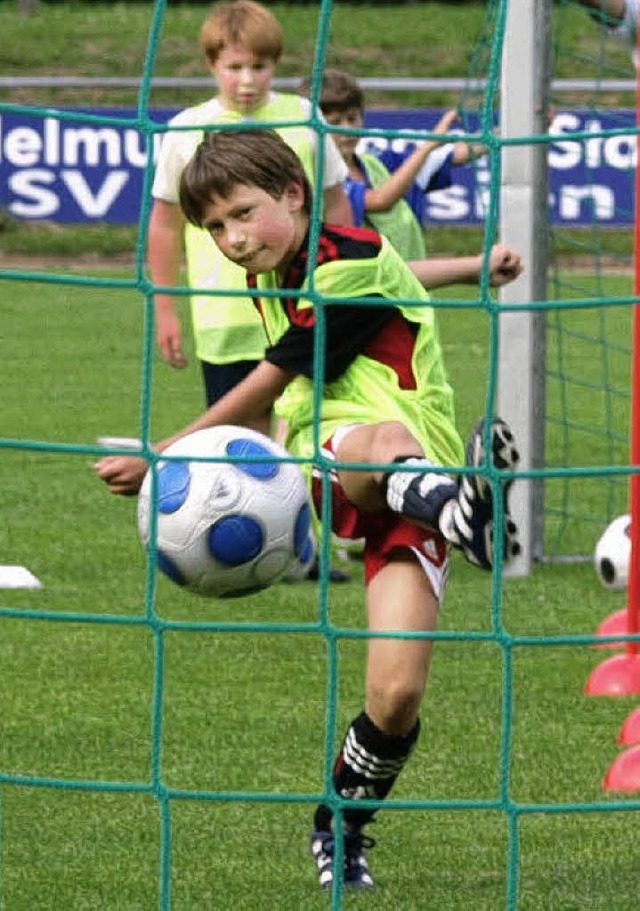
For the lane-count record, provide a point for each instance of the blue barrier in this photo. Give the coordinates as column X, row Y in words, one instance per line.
column 76, row 172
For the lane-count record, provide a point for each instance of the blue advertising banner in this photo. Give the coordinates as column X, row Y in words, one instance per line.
column 77, row 172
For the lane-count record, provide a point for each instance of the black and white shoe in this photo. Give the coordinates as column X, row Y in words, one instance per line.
column 418, row 493
column 356, row 869
column 467, row 520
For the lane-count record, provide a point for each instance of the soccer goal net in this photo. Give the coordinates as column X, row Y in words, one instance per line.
column 567, row 204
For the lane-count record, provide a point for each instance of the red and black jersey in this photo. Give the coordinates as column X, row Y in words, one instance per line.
column 350, row 328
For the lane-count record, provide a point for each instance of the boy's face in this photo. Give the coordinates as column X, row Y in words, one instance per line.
column 256, row 231
column 351, row 117
column 243, row 78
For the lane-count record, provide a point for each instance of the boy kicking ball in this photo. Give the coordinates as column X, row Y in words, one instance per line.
column 385, row 401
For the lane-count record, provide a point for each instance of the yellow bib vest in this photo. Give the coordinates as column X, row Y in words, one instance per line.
column 399, row 224
column 226, row 326
column 368, row 391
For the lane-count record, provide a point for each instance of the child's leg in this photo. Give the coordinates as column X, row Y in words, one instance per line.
column 419, row 495
column 380, row 739
column 461, row 509
column 400, row 599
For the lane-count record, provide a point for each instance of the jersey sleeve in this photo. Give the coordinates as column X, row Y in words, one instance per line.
column 176, row 149
column 348, row 329
column 435, row 173
column 356, row 193
column 167, row 174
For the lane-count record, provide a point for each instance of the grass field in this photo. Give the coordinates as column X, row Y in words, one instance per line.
column 161, row 750
column 110, row 699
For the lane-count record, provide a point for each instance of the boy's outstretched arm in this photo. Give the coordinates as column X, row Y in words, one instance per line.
column 386, row 195
column 243, row 405
column 504, row 266
column 611, row 11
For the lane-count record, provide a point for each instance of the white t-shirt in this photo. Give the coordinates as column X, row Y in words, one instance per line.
column 228, row 328
column 177, row 147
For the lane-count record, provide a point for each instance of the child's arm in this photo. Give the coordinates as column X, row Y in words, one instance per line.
column 243, row 405
column 386, row 195
column 165, row 258
column 336, row 207
column 504, row 266
column 609, row 11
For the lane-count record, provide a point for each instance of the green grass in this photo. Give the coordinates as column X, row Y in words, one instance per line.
column 431, row 40
column 245, row 712
column 104, row 708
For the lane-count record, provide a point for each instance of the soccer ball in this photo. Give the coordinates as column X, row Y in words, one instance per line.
column 305, row 562
column 226, row 528
column 612, row 554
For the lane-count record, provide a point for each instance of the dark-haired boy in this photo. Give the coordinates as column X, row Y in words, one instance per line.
column 387, row 188
column 385, row 401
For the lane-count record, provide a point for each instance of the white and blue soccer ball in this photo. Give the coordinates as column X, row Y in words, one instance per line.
column 613, row 553
column 231, row 527
column 305, row 562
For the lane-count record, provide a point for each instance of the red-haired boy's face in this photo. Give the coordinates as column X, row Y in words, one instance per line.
column 256, row 231
column 244, row 78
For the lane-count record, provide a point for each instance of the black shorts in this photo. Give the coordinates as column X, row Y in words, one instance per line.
column 221, row 378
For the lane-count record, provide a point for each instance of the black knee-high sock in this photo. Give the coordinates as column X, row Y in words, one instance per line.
column 366, row 768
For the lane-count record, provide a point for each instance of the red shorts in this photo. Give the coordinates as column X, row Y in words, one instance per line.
column 383, row 532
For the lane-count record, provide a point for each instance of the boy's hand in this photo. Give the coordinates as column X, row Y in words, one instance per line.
column 169, row 333
column 123, row 474
column 505, row 265
column 446, row 122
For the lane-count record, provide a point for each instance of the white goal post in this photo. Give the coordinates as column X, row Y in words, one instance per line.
column 524, row 225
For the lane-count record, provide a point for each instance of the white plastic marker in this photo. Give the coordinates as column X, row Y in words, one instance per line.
column 119, row 442
column 18, row 577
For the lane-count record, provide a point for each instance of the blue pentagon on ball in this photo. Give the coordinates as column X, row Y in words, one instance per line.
column 307, row 552
column 174, row 479
column 236, row 539
column 301, row 530
column 245, row 448
column 168, row 567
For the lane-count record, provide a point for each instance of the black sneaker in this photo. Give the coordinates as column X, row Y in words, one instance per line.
column 467, row 521
column 335, row 575
column 356, row 869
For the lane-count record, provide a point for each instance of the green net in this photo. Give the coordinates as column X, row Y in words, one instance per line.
column 588, row 348
column 159, row 751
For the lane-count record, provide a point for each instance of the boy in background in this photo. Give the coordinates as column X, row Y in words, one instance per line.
column 242, row 43
column 387, row 189
column 386, row 401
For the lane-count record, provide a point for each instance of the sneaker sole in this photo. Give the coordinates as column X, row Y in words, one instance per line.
column 504, row 454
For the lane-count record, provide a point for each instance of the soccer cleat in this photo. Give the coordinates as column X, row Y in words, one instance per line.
column 356, row 869
column 467, row 521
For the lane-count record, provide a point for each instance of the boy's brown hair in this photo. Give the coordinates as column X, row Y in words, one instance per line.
column 226, row 158
column 242, row 22
column 338, row 92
